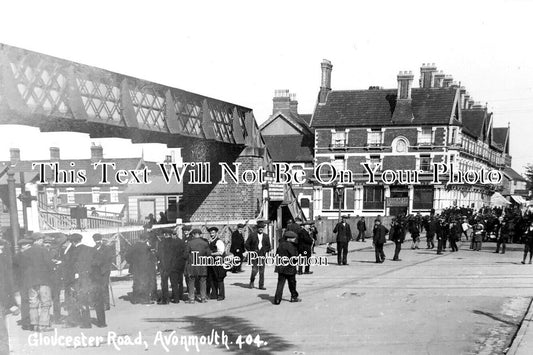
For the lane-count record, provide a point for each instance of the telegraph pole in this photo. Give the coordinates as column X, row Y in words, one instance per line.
column 13, row 211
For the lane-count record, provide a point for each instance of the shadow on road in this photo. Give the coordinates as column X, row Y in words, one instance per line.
column 241, row 284
column 490, row 315
column 233, row 327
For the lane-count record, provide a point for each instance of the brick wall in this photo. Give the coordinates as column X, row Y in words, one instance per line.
column 399, row 162
column 357, row 137
column 216, row 201
column 323, row 138
column 410, row 133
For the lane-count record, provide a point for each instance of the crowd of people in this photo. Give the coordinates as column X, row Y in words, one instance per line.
column 45, row 266
column 176, row 258
column 503, row 225
column 60, row 279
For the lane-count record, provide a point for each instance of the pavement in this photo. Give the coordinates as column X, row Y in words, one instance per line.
column 457, row 303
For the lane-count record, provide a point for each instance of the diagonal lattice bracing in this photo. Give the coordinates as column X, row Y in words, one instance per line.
column 101, row 99
column 43, row 87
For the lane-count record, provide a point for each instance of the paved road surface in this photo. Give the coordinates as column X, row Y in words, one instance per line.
column 458, row 303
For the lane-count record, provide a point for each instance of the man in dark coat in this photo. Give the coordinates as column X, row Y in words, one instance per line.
column 344, row 235
column 35, row 270
column 379, row 239
column 79, row 280
column 142, row 263
column 197, row 247
column 431, row 229
column 53, row 248
column 171, row 256
column 361, row 228
column 305, row 246
column 397, row 235
column 287, row 249
column 502, row 235
column 258, row 242
column 216, row 273
column 237, row 246
column 101, row 270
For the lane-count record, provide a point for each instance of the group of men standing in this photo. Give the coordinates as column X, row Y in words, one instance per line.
column 55, row 271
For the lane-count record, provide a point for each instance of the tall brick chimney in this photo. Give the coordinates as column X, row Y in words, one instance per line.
column 54, row 154
column 325, row 83
column 448, row 81
column 281, row 101
column 438, row 79
column 293, row 103
column 14, row 155
column 427, row 73
column 466, row 99
column 405, row 84
column 97, row 153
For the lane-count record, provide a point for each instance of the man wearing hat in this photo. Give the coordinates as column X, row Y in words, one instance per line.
column 216, row 274
column 101, row 270
column 79, row 281
column 379, row 239
column 52, row 249
column 34, row 269
column 171, row 258
column 258, row 242
column 305, row 245
column 143, row 267
column 197, row 247
column 286, row 271
column 344, row 235
column 237, row 246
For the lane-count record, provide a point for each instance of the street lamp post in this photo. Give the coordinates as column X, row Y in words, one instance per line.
column 340, row 194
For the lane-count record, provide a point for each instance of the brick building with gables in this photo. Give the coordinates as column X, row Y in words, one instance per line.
column 399, row 129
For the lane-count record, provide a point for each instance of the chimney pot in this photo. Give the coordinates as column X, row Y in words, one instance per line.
column 97, row 153
column 325, row 85
column 14, row 154
column 54, row 154
column 405, row 83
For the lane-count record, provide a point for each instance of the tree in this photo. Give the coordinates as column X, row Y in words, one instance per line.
column 529, row 177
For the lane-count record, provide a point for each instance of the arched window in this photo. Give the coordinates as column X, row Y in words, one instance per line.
column 400, row 145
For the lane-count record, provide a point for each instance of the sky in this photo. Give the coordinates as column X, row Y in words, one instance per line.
column 241, row 51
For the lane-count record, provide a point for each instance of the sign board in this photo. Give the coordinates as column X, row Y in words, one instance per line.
column 397, row 201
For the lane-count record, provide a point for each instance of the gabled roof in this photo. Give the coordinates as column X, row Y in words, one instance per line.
column 513, row 175
column 376, row 107
column 295, row 120
column 290, row 148
column 474, row 121
column 499, row 135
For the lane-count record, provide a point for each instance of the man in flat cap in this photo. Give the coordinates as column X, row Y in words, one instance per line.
column 237, row 246
column 287, row 249
column 101, row 270
column 344, row 235
column 197, row 247
column 35, row 269
column 258, row 242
